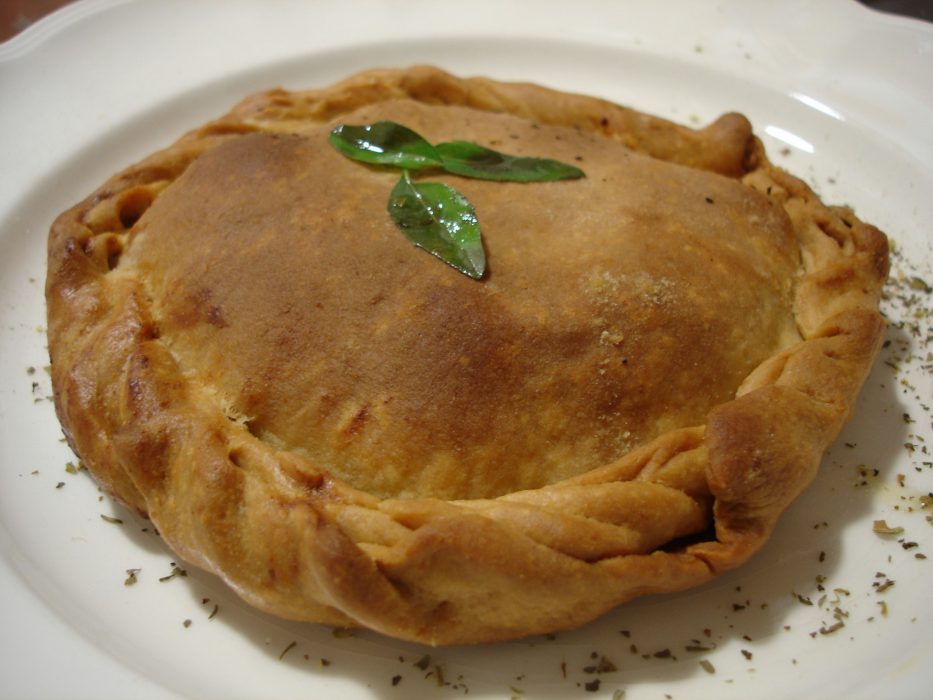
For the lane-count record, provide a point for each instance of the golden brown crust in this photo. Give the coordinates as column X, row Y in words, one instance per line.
column 131, row 359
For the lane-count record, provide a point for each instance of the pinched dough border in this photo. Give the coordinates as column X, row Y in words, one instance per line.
column 295, row 541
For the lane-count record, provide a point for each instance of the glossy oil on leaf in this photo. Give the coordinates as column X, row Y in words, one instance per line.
column 432, row 215
column 385, row 143
column 440, row 220
column 472, row 160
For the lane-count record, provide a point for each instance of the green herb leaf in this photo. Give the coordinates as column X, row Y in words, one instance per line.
column 440, row 220
column 472, row 160
column 432, row 215
column 385, row 143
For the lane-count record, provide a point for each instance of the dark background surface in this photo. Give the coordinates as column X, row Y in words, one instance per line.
column 921, row 9
column 16, row 15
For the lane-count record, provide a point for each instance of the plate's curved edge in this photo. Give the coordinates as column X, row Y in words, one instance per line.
column 48, row 26
column 100, row 5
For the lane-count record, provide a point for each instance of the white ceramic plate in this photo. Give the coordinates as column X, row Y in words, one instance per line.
column 841, row 96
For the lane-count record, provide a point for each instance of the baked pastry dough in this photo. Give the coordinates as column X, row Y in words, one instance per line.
column 246, row 349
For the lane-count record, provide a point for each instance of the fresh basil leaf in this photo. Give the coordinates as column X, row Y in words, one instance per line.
column 432, row 215
column 384, row 143
column 472, row 160
column 440, row 220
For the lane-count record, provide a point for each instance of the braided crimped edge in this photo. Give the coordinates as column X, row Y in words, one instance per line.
column 295, row 541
